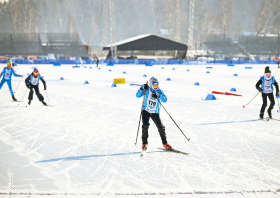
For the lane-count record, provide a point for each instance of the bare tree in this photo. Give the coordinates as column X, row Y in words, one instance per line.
column 226, row 16
column 207, row 24
column 3, row 5
column 72, row 28
column 267, row 17
column 170, row 17
column 16, row 18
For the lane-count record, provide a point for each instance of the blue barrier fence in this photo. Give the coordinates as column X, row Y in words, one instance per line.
column 145, row 62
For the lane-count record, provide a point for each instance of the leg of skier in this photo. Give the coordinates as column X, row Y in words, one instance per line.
column 161, row 129
column 272, row 103
column 264, row 97
column 2, row 83
column 145, row 120
column 11, row 89
column 30, row 96
column 39, row 95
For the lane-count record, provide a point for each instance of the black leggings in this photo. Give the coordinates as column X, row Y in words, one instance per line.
column 272, row 101
column 36, row 88
column 156, row 118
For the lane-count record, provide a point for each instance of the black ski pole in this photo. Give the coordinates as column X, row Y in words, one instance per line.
column 48, row 98
column 173, row 120
column 278, row 104
column 140, row 115
column 23, row 96
column 18, row 85
column 250, row 100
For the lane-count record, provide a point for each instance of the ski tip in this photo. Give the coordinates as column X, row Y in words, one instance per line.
column 243, row 106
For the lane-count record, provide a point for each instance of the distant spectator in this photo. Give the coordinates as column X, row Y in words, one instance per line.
column 97, row 60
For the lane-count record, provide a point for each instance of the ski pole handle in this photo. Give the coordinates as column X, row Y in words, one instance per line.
column 251, row 100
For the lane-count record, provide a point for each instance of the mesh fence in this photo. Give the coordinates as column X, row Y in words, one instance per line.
column 253, row 45
column 41, row 44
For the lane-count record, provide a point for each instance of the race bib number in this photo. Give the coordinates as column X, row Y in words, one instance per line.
column 152, row 104
column 7, row 74
column 267, row 86
column 34, row 81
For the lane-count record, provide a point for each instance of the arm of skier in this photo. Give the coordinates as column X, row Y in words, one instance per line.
column 162, row 97
column 276, row 87
column 16, row 75
column 258, row 85
column 2, row 73
column 44, row 82
column 27, row 82
column 140, row 92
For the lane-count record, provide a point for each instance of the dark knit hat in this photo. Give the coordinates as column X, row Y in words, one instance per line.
column 267, row 70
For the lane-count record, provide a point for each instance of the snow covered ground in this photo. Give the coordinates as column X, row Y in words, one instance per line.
column 83, row 145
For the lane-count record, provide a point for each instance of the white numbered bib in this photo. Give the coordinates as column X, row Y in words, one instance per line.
column 7, row 74
column 151, row 104
column 267, row 86
column 34, row 81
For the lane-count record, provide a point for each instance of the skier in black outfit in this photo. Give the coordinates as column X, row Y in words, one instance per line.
column 32, row 82
column 266, row 88
column 97, row 61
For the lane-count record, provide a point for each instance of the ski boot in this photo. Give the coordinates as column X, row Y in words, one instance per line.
column 44, row 103
column 269, row 114
column 144, row 147
column 29, row 102
column 167, row 146
column 13, row 97
column 261, row 115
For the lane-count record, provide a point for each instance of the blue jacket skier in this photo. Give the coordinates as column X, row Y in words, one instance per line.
column 152, row 95
column 7, row 77
column 266, row 81
column 32, row 82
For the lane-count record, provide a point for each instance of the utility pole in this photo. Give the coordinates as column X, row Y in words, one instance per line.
column 191, row 19
column 104, row 39
column 112, row 29
column 178, row 30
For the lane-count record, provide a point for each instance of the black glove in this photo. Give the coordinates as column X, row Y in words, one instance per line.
column 45, row 87
column 259, row 89
column 145, row 87
column 277, row 94
column 28, row 86
column 154, row 96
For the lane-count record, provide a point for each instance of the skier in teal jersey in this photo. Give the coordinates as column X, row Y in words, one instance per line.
column 151, row 108
column 7, row 77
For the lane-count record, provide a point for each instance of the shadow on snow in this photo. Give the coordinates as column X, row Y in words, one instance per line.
column 230, row 122
column 91, row 156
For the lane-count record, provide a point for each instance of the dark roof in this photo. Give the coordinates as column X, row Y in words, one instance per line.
column 147, row 42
